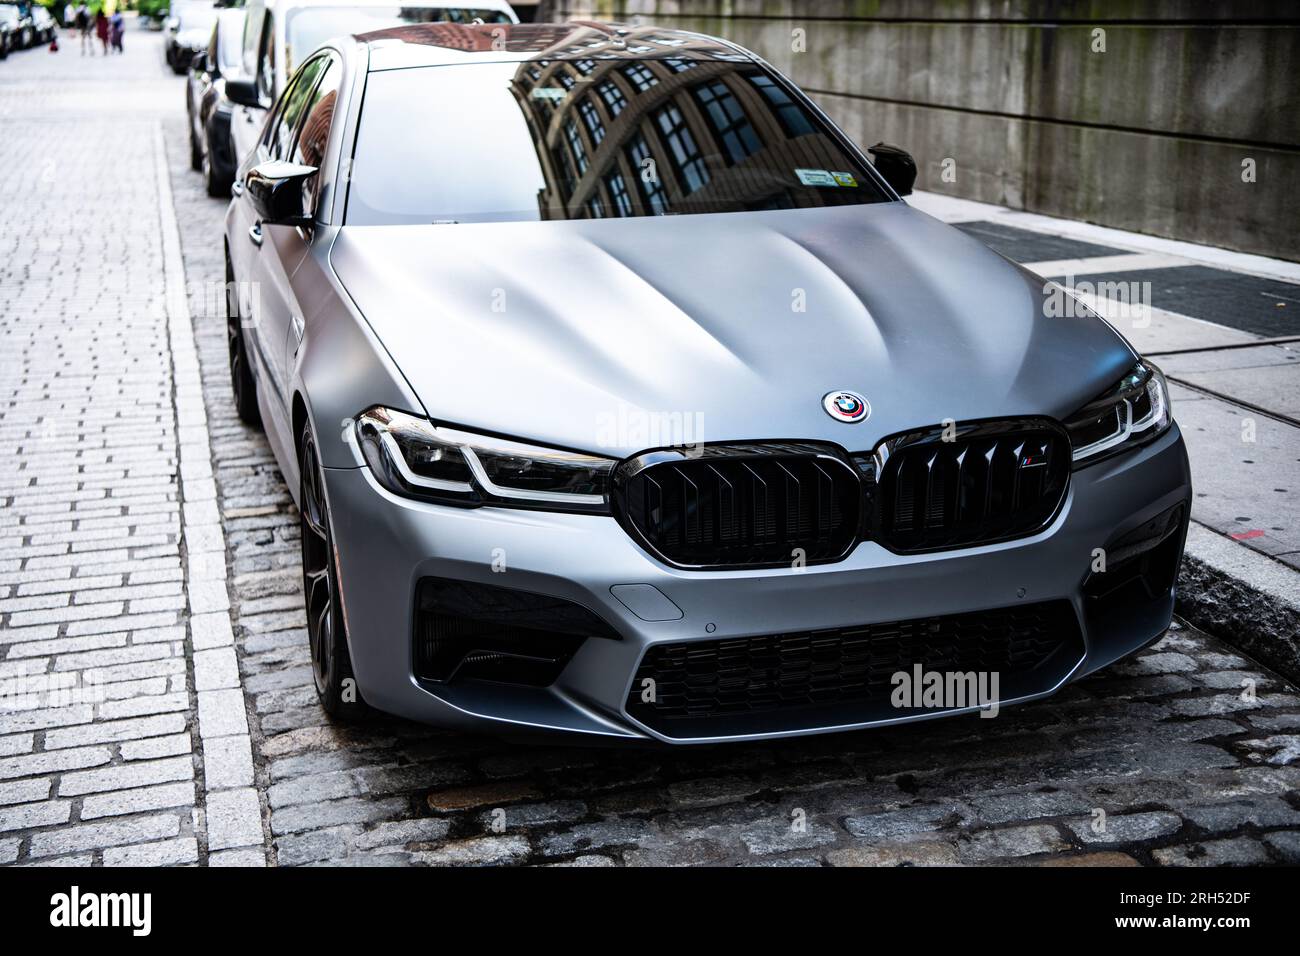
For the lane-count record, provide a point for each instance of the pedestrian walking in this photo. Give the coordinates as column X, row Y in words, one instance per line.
column 116, row 27
column 101, row 30
column 83, row 22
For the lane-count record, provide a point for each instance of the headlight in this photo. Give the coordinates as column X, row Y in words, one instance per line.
column 1135, row 410
column 413, row 457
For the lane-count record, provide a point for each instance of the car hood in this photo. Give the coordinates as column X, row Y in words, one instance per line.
column 619, row 335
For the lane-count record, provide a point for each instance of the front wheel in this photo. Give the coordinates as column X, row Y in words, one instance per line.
column 326, row 632
column 242, row 383
column 216, row 181
column 196, row 153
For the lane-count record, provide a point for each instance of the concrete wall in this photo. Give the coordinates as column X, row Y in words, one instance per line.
column 1149, row 135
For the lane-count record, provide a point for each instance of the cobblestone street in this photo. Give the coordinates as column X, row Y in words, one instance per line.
column 149, row 565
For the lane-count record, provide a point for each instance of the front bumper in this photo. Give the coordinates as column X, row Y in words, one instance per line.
column 386, row 544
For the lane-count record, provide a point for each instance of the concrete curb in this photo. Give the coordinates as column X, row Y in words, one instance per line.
column 1243, row 598
column 232, row 830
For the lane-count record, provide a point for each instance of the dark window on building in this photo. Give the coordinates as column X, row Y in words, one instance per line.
column 585, row 66
column 566, row 171
column 591, row 117
column 640, row 76
column 789, row 114
column 595, row 209
column 565, row 79
column 680, row 66
column 728, row 119
column 647, row 174
column 684, row 151
column 575, row 143
column 620, row 199
column 614, row 99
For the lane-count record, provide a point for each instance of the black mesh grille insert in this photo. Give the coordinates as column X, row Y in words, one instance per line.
column 798, row 680
column 975, row 484
column 768, row 505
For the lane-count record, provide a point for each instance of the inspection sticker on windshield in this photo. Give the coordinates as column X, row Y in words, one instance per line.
column 815, row 177
column 844, row 179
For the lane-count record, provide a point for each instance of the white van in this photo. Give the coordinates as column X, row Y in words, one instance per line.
column 279, row 35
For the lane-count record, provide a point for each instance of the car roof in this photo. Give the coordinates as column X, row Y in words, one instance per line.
column 440, row 44
column 496, row 6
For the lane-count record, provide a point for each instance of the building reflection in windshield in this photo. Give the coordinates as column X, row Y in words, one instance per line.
column 692, row 131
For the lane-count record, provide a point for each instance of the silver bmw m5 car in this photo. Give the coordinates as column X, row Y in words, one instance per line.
column 622, row 395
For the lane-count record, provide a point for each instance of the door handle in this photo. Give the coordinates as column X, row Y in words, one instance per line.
column 255, row 233
column 237, row 188
column 248, row 115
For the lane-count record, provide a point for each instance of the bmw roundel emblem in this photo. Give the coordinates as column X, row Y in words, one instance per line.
column 846, row 406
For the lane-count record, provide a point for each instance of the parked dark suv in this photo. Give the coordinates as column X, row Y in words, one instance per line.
column 211, row 151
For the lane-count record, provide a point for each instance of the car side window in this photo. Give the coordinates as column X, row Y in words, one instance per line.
column 295, row 106
column 266, row 59
column 271, row 133
column 309, row 150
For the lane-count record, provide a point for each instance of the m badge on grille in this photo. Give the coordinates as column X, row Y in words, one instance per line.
column 846, row 406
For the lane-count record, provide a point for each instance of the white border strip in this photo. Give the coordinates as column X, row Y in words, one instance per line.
column 956, row 209
column 232, row 826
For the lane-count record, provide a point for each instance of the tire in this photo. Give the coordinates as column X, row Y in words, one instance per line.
column 242, row 383
column 196, row 154
column 217, row 182
column 331, row 665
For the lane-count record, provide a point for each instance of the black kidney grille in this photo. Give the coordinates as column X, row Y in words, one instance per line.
column 829, row 677
column 742, row 506
column 991, row 483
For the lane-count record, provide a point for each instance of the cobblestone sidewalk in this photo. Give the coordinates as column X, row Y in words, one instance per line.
column 148, row 551
column 122, row 729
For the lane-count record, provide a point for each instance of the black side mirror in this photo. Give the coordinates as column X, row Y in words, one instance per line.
column 896, row 165
column 279, row 192
column 243, row 93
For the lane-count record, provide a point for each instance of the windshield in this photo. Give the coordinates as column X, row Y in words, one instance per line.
column 492, row 142
column 309, row 27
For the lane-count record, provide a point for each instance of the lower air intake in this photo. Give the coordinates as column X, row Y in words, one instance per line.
column 828, row 678
column 468, row 631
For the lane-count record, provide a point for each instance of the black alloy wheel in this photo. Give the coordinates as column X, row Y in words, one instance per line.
column 326, row 631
